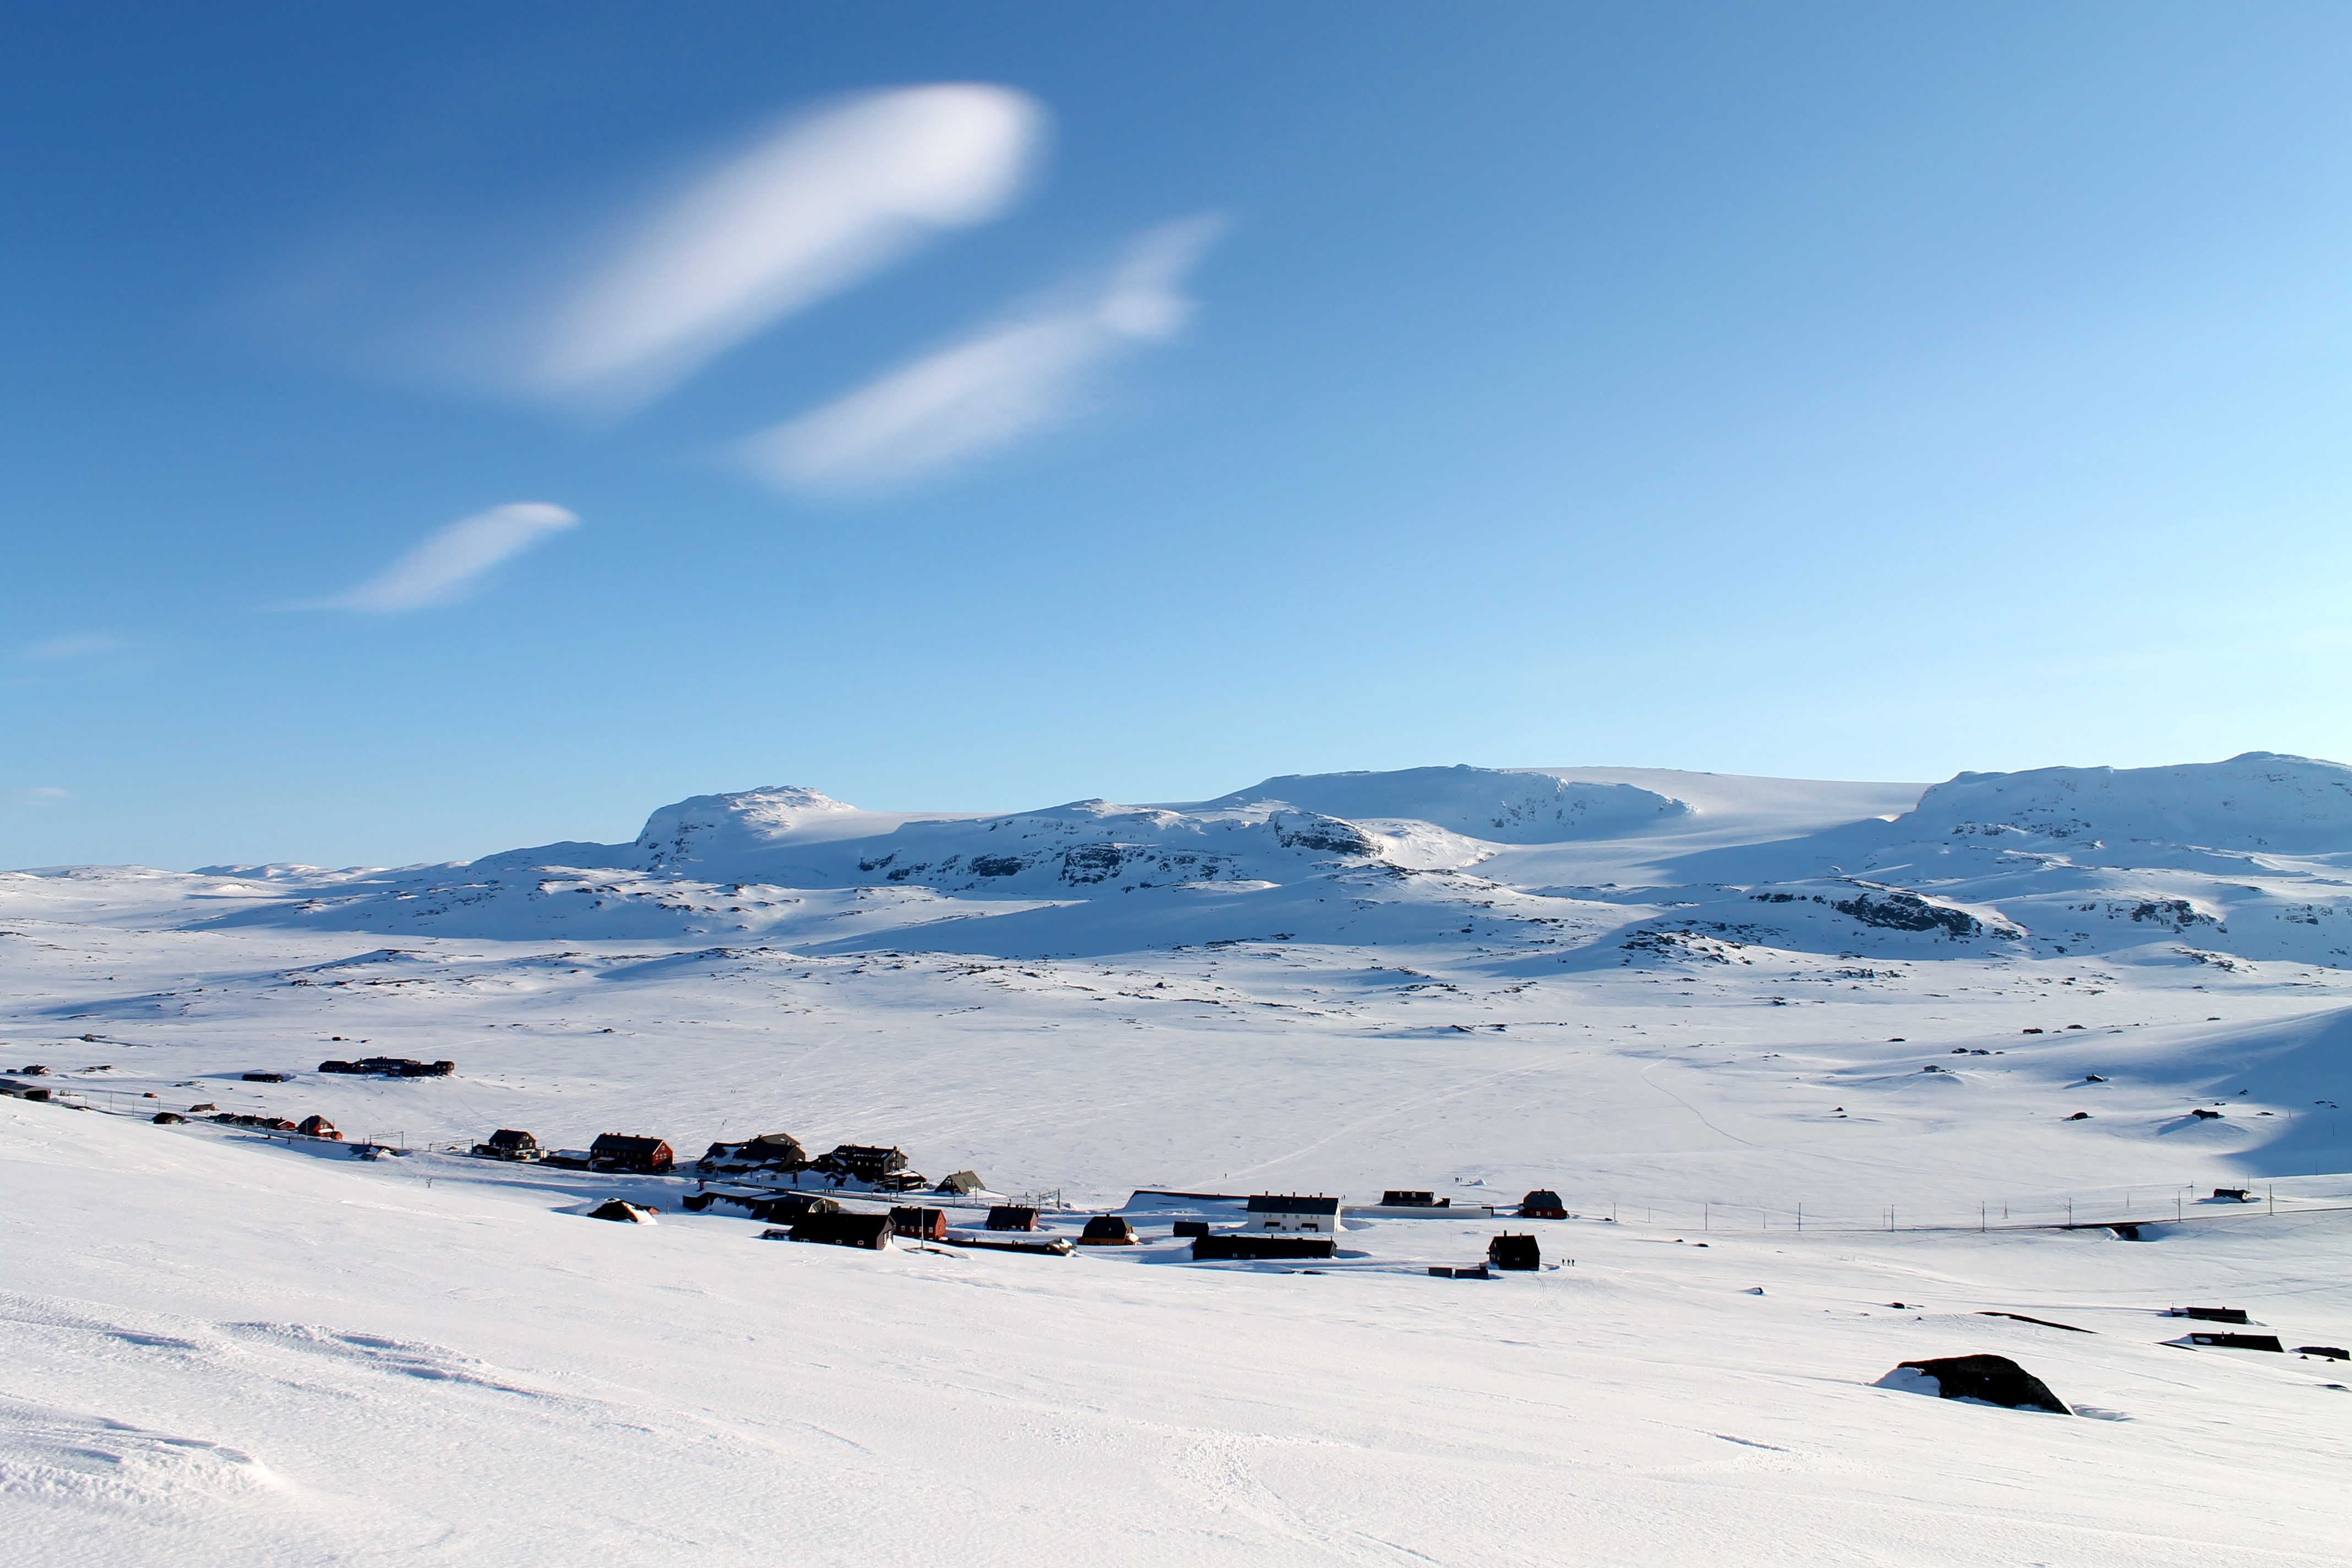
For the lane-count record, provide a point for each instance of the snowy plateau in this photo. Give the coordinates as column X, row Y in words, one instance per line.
column 1828, row 1076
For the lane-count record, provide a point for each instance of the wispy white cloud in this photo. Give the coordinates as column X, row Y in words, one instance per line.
column 77, row 645
column 817, row 204
column 454, row 562
column 992, row 388
column 39, row 794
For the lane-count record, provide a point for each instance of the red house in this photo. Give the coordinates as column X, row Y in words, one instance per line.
column 614, row 1152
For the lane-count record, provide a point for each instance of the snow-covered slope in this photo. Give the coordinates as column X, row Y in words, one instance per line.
column 1490, row 803
column 1932, row 930
column 2259, row 801
column 2249, row 858
column 1808, row 1019
column 2248, row 861
column 224, row 1353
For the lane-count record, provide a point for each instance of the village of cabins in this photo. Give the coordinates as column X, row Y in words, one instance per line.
column 770, row 1179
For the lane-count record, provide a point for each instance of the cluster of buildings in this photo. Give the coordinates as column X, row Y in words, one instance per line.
column 1272, row 1226
column 872, row 1167
column 391, row 1067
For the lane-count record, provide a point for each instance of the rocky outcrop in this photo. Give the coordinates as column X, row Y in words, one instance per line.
column 1898, row 910
column 1986, row 1379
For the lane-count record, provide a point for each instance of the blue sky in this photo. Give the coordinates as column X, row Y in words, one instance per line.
column 437, row 428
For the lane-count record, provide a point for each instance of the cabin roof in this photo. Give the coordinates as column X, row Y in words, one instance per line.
column 1268, row 1203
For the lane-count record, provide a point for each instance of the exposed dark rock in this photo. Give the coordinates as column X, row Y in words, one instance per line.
column 1990, row 1379
column 1899, row 910
column 1093, row 862
column 1329, row 834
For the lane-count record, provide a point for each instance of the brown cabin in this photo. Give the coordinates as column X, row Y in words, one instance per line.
column 1542, row 1204
column 1012, row 1216
column 319, row 1127
column 769, row 1151
column 866, row 1163
column 638, row 1156
column 509, row 1143
column 1108, row 1230
column 922, row 1223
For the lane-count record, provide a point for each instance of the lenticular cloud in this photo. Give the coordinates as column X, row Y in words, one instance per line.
column 992, row 388
column 454, row 562
column 817, row 205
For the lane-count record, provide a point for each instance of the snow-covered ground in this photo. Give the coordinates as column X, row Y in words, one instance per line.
column 1859, row 1040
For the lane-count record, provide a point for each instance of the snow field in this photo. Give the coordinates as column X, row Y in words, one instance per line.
column 2008, row 1005
column 383, row 1370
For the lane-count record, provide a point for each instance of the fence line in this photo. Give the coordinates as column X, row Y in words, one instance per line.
column 2096, row 1208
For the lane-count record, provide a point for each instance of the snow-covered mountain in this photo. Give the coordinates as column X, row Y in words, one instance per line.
column 2245, row 860
column 1489, row 805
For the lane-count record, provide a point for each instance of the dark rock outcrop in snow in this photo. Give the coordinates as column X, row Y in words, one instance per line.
column 1908, row 912
column 1988, row 1379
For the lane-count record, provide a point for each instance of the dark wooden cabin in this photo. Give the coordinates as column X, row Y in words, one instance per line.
column 866, row 1163
column 509, row 1143
column 1108, row 1230
column 922, row 1223
column 1519, row 1252
column 769, row 1151
column 636, row 1156
column 867, row 1230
